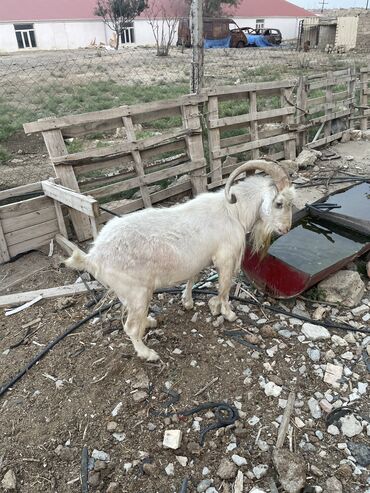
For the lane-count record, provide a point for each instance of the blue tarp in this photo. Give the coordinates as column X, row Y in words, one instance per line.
column 217, row 43
column 257, row 40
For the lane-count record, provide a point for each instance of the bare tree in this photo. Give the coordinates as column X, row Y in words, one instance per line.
column 164, row 24
column 117, row 14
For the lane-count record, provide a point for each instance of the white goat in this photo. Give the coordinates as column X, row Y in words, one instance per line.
column 156, row 248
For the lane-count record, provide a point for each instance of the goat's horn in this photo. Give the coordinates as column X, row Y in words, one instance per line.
column 277, row 173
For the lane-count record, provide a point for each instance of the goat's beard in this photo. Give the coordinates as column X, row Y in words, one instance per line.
column 261, row 238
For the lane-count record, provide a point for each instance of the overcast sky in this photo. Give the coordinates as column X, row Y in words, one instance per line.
column 331, row 4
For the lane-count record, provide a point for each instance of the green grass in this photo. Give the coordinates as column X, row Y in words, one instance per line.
column 75, row 146
column 4, row 156
column 59, row 100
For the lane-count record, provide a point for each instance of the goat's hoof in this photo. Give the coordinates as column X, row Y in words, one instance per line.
column 151, row 322
column 149, row 355
column 214, row 306
column 230, row 316
column 188, row 305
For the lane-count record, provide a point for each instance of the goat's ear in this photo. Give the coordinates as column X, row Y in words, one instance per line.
column 266, row 205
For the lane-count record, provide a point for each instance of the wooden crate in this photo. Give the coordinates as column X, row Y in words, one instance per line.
column 25, row 224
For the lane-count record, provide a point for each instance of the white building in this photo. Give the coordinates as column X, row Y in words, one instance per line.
column 69, row 24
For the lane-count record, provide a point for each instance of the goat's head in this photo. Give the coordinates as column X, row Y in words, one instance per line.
column 275, row 211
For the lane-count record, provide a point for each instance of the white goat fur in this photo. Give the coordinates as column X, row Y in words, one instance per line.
column 157, row 248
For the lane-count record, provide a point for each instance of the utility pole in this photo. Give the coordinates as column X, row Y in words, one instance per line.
column 197, row 40
column 367, row 4
column 323, row 3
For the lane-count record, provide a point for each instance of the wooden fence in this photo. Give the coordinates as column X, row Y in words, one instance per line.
column 198, row 133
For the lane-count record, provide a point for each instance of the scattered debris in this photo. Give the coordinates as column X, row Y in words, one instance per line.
column 9, row 481
column 291, row 470
column 345, row 287
column 307, row 158
column 172, row 439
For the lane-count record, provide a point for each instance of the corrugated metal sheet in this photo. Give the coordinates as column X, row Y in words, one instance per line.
column 346, row 32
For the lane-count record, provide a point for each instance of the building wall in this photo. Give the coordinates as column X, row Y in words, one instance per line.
column 363, row 32
column 346, row 34
column 57, row 35
column 287, row 25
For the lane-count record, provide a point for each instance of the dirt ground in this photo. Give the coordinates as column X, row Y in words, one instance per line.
column 66, row 401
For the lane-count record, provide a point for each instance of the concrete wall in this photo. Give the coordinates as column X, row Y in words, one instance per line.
column 57, row 35
column 363, row 32
column 287, row 25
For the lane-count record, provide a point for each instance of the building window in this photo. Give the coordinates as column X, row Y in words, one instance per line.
column 25, row 35
column 128, row 34
column 260, row 23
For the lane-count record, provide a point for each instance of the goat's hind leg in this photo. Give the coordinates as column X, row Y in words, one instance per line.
column 137, row 304
column 187, row 295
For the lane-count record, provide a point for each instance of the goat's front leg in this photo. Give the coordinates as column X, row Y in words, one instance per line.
column 187, row 295
column 220, row 304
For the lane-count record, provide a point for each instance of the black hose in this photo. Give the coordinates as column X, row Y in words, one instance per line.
column 51, row 344
column 331, row 325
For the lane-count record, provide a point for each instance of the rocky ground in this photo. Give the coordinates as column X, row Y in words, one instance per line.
column 138, row 421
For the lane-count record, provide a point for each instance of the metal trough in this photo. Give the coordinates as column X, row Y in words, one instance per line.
column 325, row 237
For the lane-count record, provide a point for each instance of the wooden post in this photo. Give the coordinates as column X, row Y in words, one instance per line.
column 253, row 123
column 301, row 117
column 139, row 168
column 352, row 94
column 290, row 150
column 4, row 253
column 194, row 144
column 56, row 147
column 214, row 140
column 364, row 79
column 328, row 100
column 197, row 40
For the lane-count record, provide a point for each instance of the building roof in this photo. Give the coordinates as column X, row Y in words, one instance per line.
column 266, row 8
column 42, row 10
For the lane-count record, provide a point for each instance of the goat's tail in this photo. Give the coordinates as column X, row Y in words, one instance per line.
column 77, row 260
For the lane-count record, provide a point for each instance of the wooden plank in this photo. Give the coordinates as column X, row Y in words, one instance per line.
column 333, row 116
column 4, row 253
column 155, row 197
column 147, row 179
column 31, row 244
column 25, row 234
column 87, row 121
column 364, row 98
column 74, row 200
column 13, row 211
column 329, row 83
column 48, row 293
column 130, row 131
column 252, row 116
column 118, row 150
column 260, row 87
column 328, row 110
column 253, row 145
column 253, row 121
column 239, row 139
column 290, row 145
column 22, row 190
column 194, row 144
column 56, row 147
column 31, row 219
column 65, row 244
column 60, row 219
column 300, row 119
column 214, row 139
column 325, row 140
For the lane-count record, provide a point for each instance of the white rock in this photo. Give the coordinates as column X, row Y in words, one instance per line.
column 182, row 460
column 238, row 485
column 333, row 373
column 170, row 469
column 255, row 489
column 172, row 439
column 350, row 426
column 100, row 455
column 272, row 351
column 127, row 466
column 260, row 470
column 333, row 430
column 9, row 481
column 347, row 355
column 238, row 460
column 264, row 446
column 205, row 471
column 253, row 420
column 362, row 388
column 339, row 341
column 231, row 447
column 299, row 422
column 119, row 436
column 360, row 310
column 271, row 389
column 117, row 409
column 314, row 408
column 315, row 332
